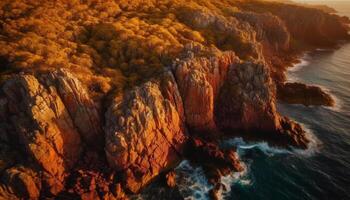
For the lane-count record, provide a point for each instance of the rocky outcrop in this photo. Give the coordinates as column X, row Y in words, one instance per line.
column 46, row 117
column 214, row 161
column 299, row 93
column 225, row 94
column 270, row 30
column 227, row 56
column 145, row 131
column 200, row 80
column 247, row 100
column 44, row 127
column 84, row 112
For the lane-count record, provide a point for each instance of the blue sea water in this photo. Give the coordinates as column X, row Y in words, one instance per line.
column 322, row 171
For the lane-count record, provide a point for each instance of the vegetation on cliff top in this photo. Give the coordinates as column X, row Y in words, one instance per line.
column 121, row 43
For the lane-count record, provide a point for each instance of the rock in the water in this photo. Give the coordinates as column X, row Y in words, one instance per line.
column 171, row 179
column 215, row 162
column 299, row 93
column 145, row 131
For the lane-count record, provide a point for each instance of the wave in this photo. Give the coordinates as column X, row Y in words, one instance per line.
column 227, row 181
column 243, row 146
column 192, row 183
column 303, row 61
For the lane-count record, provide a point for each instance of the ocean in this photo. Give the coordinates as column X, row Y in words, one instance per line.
column 322, row 171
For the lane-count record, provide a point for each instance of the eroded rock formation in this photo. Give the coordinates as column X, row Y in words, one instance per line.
column 145, row 131
column 142, row 84
column 43, row 118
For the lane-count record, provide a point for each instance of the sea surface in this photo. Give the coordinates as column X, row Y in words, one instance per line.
column 322, row 171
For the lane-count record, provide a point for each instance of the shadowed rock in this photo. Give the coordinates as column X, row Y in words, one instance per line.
column 299, row 93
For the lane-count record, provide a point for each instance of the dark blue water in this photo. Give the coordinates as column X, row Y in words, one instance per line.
column 322, row 171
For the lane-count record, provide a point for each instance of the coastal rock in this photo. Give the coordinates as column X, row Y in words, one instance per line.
column 43, row 126
column 224, row 94
column 46, row 116
column 171, row 179
column 299, row 93
column 84, row 112
column 200, row 80
column 247, row 100
column 270, row 30
column 145, row 131
column 215, row 162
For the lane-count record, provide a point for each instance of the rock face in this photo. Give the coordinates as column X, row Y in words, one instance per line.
column 200, row 80
column 145, row 131
column 44, row 127
column 84, row 112
column 270, row 29
column 23, row 182
column 299, row 93
column 55, row 140
column 48, row 116
column 247, row 100
column 225, row 94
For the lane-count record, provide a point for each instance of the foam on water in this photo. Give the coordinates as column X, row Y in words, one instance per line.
column 303, row 61
column 192, row 182
column 234, row 177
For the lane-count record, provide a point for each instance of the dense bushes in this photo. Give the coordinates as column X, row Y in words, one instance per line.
column 118, row 43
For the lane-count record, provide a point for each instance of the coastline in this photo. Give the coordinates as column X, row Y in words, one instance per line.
column 109, row 118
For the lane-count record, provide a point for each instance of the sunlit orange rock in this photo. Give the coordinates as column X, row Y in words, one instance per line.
column 145, row 131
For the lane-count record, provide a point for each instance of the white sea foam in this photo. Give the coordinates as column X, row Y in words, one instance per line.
column 314, row 144
column 234, row 177
column 192, row 182
column 303, row 61
column 193, row 185
column 337, row 102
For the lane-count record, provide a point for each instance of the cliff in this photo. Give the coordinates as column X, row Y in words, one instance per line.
column 99, row 99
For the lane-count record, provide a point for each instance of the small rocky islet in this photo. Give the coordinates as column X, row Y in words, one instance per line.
column 100, row 98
